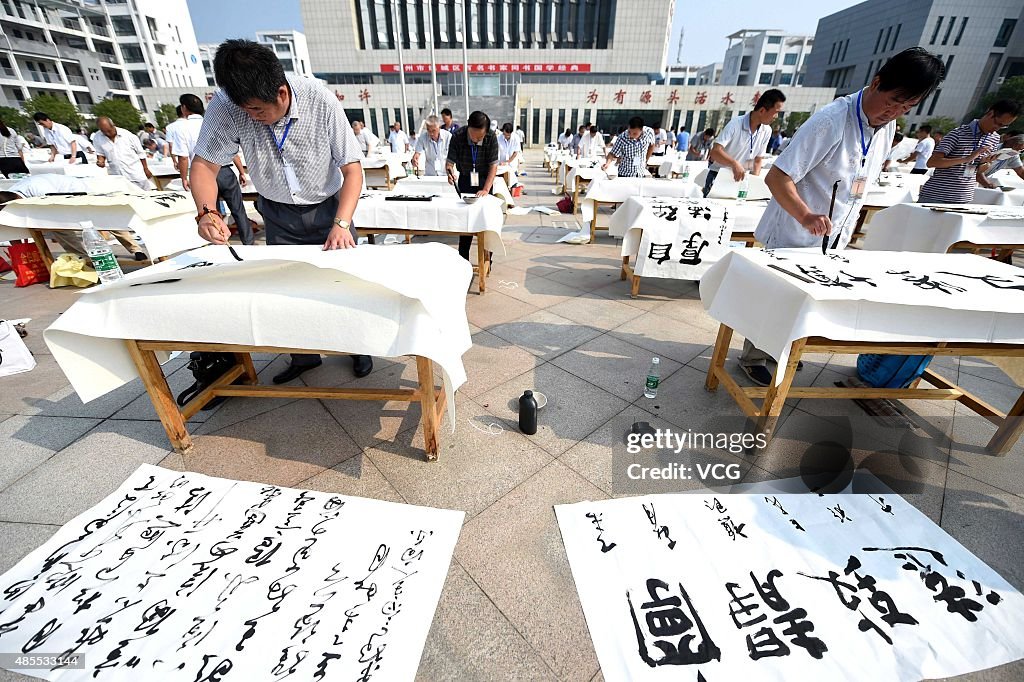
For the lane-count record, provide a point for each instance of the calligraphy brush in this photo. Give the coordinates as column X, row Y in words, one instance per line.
column 234, row 253
column 831, row 207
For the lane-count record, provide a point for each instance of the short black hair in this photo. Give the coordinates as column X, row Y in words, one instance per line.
column 1004, row 107
column 682, row 129
column 710, row 131
column 769, row 98
column 177, row 110
column 913, row 73
column 246, row 70
column 148, row 125
column 192, row 103
column 479, row 119
column 507, row 128
column 926, row 128
column 446, row 112
column 40, row 116
column 897, row 138
column 636, row 122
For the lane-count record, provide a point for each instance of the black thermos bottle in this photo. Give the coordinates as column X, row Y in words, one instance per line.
column 528, row 413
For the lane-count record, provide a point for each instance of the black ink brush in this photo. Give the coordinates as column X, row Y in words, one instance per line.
column 831, row 208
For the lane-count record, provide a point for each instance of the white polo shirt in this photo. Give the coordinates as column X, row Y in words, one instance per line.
column 398, row 140
column 739, row 143
column 924, row 151
column 828, row 147
column 183, row 136
column 123, row 154
column 434, row 153
column 367, row 141
column 61, row 137
column 506, row 148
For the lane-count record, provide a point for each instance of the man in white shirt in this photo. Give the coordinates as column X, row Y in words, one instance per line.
column 398, row 140
column 591, row 144
column 53, row 183
column 922, row 152
column 660, row 140
column 433, row 144
column 367, row 141
column 509, row 149
column 228, row 189
column 121, row 152
column 844, row 142
column 741, row 145
column 60, row 139
column 172, row 131
column 521, row 135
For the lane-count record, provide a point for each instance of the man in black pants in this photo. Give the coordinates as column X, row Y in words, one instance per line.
column 473, row 151
column 302, row 154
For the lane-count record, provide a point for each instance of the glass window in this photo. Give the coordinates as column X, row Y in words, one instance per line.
column 1005, row 31
column 380, row 15
column 774, row 40
column 765, row 78
column 442, row 23
column 412, row 34
column 123, row 26
column 474, row 24
column 935, row 33
column 878, row 41
column 949, row 30
column 935, row 100
column 491, row 21
column 960, row 33
column 896, row 35
column 506, row 22
column 771, row 57
column 790, row 59
column 786, row 79
column 745, row 64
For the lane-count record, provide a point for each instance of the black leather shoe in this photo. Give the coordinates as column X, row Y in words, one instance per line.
column 362, row 365
column 293, row 371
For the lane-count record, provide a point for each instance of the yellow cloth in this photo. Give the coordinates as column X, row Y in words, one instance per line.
column 69, row 270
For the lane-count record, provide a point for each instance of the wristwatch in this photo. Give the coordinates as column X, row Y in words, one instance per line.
column 343, row 224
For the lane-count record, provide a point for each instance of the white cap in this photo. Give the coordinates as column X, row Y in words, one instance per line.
column 655, row 361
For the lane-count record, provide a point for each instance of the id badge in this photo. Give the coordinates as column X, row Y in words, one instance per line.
column 749, row 166
column 292, row 179
column 474, row 179
column 859, row 183
column 969, row 170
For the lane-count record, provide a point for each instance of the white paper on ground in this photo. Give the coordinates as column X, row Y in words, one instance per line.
column 725, row 187
column 672, row 238
column 783, row 587
column 545, row 210
column 176, row 575
column 519, row 210
column 372, row 300
column 864, row 296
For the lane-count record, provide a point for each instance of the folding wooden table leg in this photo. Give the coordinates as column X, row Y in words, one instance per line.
column 44, row 248
column 428, row 406
column 1010, row 430
column 718, row 358
column 245, row 360
column 775, row 398
column 625, row 268
column 160, row 394
column 481, row 258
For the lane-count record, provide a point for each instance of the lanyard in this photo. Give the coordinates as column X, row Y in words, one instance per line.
column 284, row 136
column 864, row 147
column 473, row 150
column 979, row 137
column 750, row 127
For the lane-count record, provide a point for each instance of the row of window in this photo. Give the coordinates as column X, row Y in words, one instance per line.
column 949, row 30
column 495, row 24
column 788, row 59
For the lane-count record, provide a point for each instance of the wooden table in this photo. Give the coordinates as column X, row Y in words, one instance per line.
column 432, row 400
column 39, row 238
column 483, row 267
column 1010, row 425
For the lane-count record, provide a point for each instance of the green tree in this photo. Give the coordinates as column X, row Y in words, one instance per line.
column 795, row 119
column 17, row 120
column 1010, row 89
column 901, row 123
column 164, row 115
column 942, row 124
column 59, row 109
column 121, row 112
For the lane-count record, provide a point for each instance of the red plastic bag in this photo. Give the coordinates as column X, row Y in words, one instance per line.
column 28, row 264
column 565, row 205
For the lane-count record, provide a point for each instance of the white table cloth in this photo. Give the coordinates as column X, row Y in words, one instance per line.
column 918, row 228
column 94, row 185
column 1008, row 177
column 62, row 167
column 672, row 238
column 852, row 295
column 446, row 213
column 726, row 187
column 435, row 184
column 375, row 300
column 395, row 163
column 164, row 220
column 619, row 189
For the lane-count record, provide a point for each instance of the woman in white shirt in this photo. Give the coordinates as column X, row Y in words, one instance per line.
column 12, row 151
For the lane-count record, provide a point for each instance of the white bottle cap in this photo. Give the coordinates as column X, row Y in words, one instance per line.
column 655, row 361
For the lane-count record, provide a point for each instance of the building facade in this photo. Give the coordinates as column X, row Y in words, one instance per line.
column 766, row 58
column 157, row 42
column 207, row 51
column 290, row 48
column 710, row 74
column 979, row 42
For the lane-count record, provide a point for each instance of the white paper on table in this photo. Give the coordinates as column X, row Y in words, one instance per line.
column 617, row 190
column 917, row 228
column 672, row 238
column 725, row 187
column 445, row 213
column 878, row 296
column 683, row 586
column 181, row 576
column 373, row 300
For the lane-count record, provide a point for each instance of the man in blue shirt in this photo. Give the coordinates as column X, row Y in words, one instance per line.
column 682, row 140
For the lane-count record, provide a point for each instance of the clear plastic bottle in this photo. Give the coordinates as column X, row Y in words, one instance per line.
column 686, row 172
column 101, row 255
column 653, row 379
column 741, row 195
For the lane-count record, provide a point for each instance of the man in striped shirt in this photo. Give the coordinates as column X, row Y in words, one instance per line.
column 302, row 157
column 959, row 158
column 632, row 150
